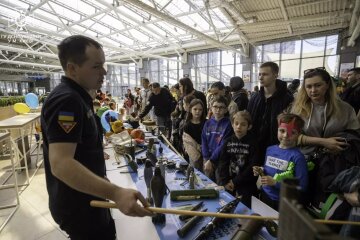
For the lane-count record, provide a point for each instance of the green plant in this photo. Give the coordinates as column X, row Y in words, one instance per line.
column 8, row 101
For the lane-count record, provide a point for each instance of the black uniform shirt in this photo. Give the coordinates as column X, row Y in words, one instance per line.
column 68, row 116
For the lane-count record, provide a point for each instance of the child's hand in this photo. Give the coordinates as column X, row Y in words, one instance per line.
column 208, row 167
column 267, row 180
column 258, row 170
column 230, row 186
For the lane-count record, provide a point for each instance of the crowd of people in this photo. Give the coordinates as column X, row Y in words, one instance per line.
column 247, row 143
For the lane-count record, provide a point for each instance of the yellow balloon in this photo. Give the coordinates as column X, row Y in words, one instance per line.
column 21, row 108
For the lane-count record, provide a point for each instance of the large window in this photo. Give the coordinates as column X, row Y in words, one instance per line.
column 165, row 71
column 296, row 56
column 214, row 66
column 227, row 66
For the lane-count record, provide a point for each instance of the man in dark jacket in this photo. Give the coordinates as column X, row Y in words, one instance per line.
column 352, row 93
column 163, row 103
column 264, row 107
column 239, row 94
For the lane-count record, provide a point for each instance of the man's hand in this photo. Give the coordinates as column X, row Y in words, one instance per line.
column 267, row 180
column 208, row 168
column 126, row 201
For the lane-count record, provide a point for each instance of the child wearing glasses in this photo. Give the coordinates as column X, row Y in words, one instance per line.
column 238, row 156
column 282, row 161
column 213, row 135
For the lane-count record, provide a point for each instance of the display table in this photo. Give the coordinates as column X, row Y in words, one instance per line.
column 18, row 126
column 143, row 228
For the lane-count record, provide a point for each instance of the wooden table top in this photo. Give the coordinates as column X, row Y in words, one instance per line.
column 19, row 120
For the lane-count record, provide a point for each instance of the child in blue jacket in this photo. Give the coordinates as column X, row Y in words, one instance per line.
column 213, row 135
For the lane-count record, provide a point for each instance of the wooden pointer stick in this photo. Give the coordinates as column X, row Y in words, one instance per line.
column 104, row 204
column 170, row 145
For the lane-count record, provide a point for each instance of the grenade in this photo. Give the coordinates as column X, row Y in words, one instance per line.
column 158, row 189
column 148, row 174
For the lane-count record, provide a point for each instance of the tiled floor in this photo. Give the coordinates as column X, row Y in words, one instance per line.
column 32, row 220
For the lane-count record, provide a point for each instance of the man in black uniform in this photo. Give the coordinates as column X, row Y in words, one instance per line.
column 73, row 151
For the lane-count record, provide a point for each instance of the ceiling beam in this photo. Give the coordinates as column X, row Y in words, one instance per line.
column 254, row 13
column 23, row 50
column 30, row 64
column 303, row 19
column 299, row 33
column 355, row 17
column 157, row 34
column 176, row 22
column 23, row 70
column 284, row 13
column 62, row 36
column 241, row 35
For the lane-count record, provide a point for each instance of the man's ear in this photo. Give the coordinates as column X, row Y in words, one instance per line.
column 249, row 127
column 71, row 69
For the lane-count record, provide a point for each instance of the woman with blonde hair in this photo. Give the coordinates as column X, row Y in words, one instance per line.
column 329, row 128
column 324, row 113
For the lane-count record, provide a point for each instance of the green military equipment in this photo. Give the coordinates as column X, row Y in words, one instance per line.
column 193, row 194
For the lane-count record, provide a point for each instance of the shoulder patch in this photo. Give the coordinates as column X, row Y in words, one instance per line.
column 66, row 116
column 67, row 126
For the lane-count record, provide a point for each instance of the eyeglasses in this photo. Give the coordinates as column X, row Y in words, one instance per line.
column 218, row 107
column 314, row 70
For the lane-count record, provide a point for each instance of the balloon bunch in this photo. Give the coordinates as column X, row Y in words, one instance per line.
column 31, row 102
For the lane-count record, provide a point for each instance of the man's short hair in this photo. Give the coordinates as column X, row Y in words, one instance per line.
column 219, row 85
column 274, row 67
column 355, row 70
column 155, row 85
column 72, row 49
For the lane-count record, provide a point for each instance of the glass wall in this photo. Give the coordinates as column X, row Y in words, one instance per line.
column 120, row 78
column 206, row 68
column 210, row 67
column 164, row 71
column 296, row 56
column 13, row 88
